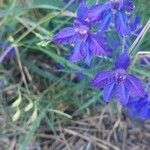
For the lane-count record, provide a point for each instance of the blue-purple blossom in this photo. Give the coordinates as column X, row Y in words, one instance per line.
column 6, row 51
column 139, row 107
column 84, row 42
column 113, row 10
column 119, row 83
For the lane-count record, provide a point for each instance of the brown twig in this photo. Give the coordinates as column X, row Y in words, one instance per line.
column 92, row 139
column 21, row 70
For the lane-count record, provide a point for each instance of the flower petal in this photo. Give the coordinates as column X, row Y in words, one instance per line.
column 7, row 52
column 122, row 94
column 97, row 48
column 123, row 61
column 82, row 11
column 105, row 22
column 136, row 26
column 96, row 12
column 103, row 79
column 132, row 102
column 121, row 24
column 135, row 23
column 139, row 107
column 145, row 112
column 108, row 92
column 82, row 30
column 127, row 5
column 65, row 36
column 77, row 54
column 89, row 55
column 135, row 86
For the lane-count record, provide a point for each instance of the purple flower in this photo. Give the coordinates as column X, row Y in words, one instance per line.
column 117, row 9
column 119, row 83
column 85, row 43
column 6, row 51
column 139, row 107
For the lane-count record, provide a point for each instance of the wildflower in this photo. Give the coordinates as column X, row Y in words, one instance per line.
column 6, row 51
column 117, row 9
column 85, row 43
column 119, row 83
column 139, row 107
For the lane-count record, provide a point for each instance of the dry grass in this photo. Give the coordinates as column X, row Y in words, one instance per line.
column 101, row 131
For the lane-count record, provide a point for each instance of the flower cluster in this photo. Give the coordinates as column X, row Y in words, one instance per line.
column 89, row 38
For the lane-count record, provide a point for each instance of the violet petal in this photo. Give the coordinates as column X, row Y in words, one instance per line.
column 7, row 51
column 121, row 24
column 65, row 36
column 122, row 94
column 105, row 22
column 135, row 86
column 82, row 11
column 96, row 47
column 127, row 5
column 108, row 92
column 103, row 79
column 96, row 12
column 77, row 55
